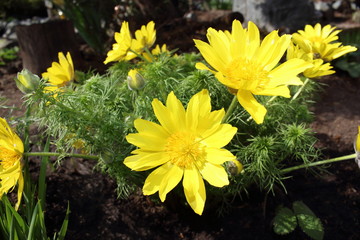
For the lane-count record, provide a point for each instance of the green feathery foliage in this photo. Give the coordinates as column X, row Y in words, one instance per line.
column 95, row 116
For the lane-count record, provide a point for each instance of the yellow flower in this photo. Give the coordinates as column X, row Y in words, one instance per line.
column 156, row 51
column 319, row 68
column 321, row 41
column 11, row 151
column 121, row 49
column 187, row 144
column 250, row 67
column 145, row 36
column 127, row 48
column 59, row 74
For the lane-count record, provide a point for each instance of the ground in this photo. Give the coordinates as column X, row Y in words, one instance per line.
column 97, row 213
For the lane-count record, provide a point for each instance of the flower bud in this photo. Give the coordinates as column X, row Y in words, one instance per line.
column 357, row 147
column 26, row 81
column 234, row 167
column 135, row 80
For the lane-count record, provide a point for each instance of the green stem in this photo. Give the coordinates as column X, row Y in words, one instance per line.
column 139, row 55
column 230, row 110
column 338, row 159
column 300, row 90
column 271, row 99
column 150, row 54
column 51, row 154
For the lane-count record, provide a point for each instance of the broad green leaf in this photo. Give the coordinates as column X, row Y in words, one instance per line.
column 309, row 223
column 284, row 221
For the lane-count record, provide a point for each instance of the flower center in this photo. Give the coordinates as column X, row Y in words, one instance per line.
column 8, row 157
column 185, row 149
column 246, row 74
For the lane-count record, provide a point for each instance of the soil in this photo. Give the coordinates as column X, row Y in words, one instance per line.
column 97, row 213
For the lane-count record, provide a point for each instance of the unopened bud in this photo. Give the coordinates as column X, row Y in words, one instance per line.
column 135, row 80
column 357, row 147
column 26, row 81
column 234, row 167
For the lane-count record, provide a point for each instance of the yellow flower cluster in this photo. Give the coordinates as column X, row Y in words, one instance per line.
column 188, row 144
column 317, row 45
column 127, row 48
column 11, row 151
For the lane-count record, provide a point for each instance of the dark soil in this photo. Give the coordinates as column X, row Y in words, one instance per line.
column 97, row 213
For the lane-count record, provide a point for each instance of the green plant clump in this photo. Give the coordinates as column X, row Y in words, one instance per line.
column 96, row 116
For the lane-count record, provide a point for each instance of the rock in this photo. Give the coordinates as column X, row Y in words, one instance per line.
column 356, row 16
column 288, row 15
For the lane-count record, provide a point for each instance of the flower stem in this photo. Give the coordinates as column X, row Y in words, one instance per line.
column 338, row 159
column 50, row 154
column 230, row 110
column 139, row 56
column 150, row 54
column 300, row 90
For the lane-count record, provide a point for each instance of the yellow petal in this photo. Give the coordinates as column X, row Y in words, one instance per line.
column 221, row 137
column 238, row 45
column 198, row 107
column 202, row 66
column 209, row 54
column 20, row 191
column 153, row 181
column 266, row 52
column 164, row 117
column 287, row 72
column 214, row 174
column 282, row 91
column 170, row 180
column 176, row 111
column 66, row 68
column 357, row 143
column 278, row 51
column 209, row 124
column 145, row 161
column 150, row 128
column 9, row 139
column 194, row 190
column 9, row 177
column 171, row 117
column 253, row 40
column 145, row 141
column 255, row 109
column 220, row 43
column 71, row 65
column 218, row 156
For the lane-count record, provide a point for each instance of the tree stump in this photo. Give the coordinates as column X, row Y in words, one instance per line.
column 40, row 44
column 288, row 15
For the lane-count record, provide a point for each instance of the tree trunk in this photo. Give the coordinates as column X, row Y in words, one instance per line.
column 40, row 44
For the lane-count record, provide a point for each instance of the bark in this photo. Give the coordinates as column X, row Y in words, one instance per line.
column 40, row 44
